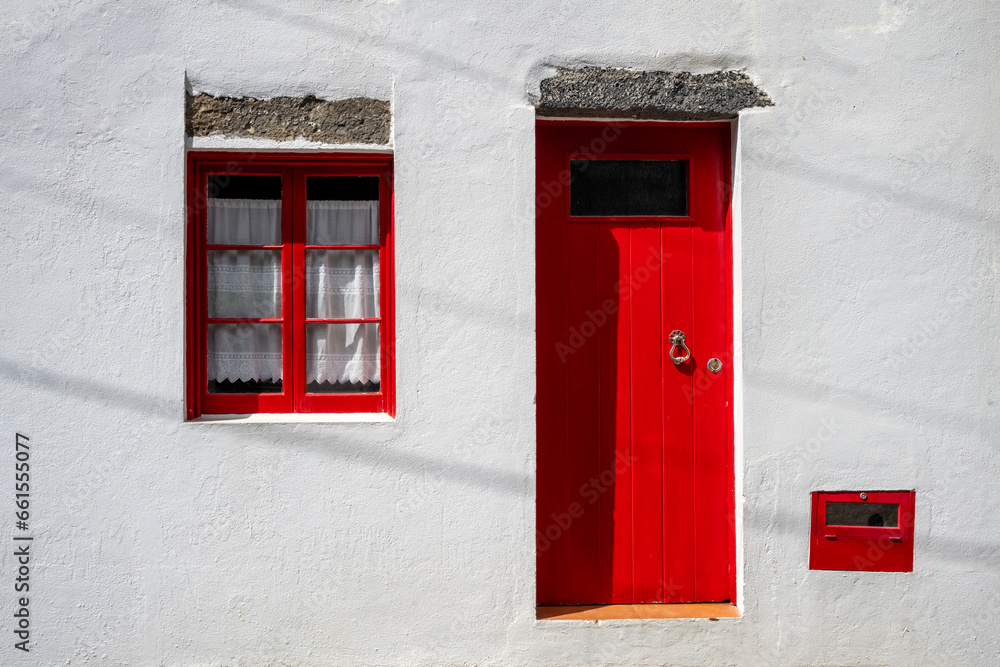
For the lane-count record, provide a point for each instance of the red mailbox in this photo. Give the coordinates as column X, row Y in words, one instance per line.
column 862, row 530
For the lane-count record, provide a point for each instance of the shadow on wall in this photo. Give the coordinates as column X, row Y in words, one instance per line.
column 936, row 548
column 342, row 446
column 385, row 41
column 908, row 195
column 792, row 385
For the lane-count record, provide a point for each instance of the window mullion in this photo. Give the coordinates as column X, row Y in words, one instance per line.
column 298, row 287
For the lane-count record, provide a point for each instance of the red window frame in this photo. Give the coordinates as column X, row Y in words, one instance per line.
column 862, row 548
column 293, row 169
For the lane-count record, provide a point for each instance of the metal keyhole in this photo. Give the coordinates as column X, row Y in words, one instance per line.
column 714, row 364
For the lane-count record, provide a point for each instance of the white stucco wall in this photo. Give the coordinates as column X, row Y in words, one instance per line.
column 870, row 250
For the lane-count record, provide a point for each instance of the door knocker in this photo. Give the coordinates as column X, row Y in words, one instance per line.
column 677, row 339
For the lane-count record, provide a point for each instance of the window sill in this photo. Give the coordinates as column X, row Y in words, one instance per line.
column 326, row 418
column 607, row 612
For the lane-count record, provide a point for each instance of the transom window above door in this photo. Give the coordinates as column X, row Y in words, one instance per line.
column 628, row 186
column 289, row 284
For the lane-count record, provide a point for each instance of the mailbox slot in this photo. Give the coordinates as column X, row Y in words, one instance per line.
column 862, row 530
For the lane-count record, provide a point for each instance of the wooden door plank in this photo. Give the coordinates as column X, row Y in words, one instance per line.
column 647, row 443
column 711, row 496
column 550, row 276
column 579, row 520
column 615, row 420
column 678, row 424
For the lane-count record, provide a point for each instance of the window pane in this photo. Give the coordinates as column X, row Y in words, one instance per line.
column 342, row 284
column 244, row 283
column 342, row 358
column 244, row 358
column 628, row 187
column 862, row 514
column 244, row 210
column 234, row 186
column 342, row 210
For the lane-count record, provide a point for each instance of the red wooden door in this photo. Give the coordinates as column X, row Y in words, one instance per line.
column 635, row 479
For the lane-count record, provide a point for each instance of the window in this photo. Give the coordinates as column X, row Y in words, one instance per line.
column 607, row 187
column 290, row 286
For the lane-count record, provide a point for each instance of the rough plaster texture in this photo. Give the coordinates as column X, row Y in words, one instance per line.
column 358, row 120
column 870, row 252
column 615, row 92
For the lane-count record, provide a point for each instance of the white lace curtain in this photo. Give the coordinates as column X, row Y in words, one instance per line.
column 340, row 284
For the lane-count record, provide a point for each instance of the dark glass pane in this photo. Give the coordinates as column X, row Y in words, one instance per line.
column 862, row 514
column 328, row 387
column 628, row 187
column 341, row 188
column 244, row 387
column 229, row 186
